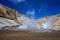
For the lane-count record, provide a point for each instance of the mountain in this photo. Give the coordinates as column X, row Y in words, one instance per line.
column 13, row 20
column 8, row 13
column 50, row 22
column 10, row 19
column 56, row 24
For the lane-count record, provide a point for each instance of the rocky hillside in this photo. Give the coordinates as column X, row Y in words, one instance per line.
column 8, row 17
column 13, row 20
column 8, row 13
column 50, row 22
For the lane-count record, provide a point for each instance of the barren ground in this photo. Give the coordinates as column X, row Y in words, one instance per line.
column 25, row 35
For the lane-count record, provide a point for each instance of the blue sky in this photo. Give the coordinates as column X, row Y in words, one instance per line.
column 34, row 8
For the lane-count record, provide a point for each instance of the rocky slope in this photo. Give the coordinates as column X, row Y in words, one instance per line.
column 13, row 20
column 8, row 13
column 10, row 18
column 50, row 22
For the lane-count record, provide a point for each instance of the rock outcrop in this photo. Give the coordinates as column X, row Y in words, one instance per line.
column 9, row 17
column 50, row 22
column 8, row 13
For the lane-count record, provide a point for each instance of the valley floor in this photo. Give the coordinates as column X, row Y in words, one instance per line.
column 27, row 35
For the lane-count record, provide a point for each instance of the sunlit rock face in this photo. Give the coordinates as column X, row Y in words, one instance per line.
column 8, row 17
column 50, row 22
column 56, row 24
column 41, row 21
column 9, row 13
column 7, row 23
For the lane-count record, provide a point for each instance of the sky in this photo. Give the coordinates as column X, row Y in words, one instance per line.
column 34, row 8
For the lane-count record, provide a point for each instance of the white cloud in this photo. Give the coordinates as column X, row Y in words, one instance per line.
column 17, row 1
column 30, row 13
column 41, row 8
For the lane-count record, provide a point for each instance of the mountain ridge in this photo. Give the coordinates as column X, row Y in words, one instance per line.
column 16, row 21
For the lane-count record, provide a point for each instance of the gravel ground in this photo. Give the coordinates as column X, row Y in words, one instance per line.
column 27, row 35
